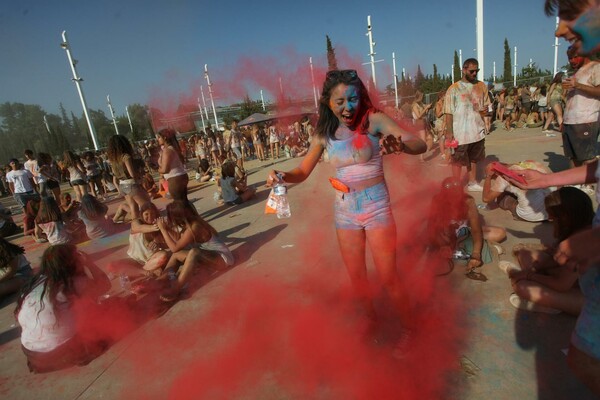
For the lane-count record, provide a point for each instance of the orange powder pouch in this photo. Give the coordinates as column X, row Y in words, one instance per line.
column 339, row 185
column 271, row 206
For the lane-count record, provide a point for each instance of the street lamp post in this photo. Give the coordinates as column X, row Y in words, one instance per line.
column 210, row 94
column 129, row 118
column 515, row 74
column 204, row 103
column 77, row 79
column 312, row 78
column 395, row 78
column 201, row 115
column 262, row 99
column 556, row 44
column 112, row 113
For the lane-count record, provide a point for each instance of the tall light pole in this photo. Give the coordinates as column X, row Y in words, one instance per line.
column 494, row 71
column 112, row 113
column 460, row 58
column 262, row 99
column 201, row 115
column 372, row 53
column 479, row 23
column 452, row 70
column 129, row 118
column 556, row 44
column 210, row 94
column 47, row 125
column 395, row 77
column 515, row 73
column 204, row 103
column 312, row 78
column 77, row 79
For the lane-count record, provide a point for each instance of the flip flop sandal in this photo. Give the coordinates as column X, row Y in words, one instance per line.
column 476, row 276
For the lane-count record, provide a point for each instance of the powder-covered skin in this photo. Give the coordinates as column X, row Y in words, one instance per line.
column 588, row 27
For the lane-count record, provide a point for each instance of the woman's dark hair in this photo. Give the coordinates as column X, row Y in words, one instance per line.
column 118, row 145
column 58, row 267
column 204, row 165
column 543, row 90
column 44, row 159
column 566, row 9
column 89, row 154
column 92, row 208
column 70, row 159
column 328, row 123
column 571, row 211
column 170, row 137
column 149, row 206
column 49, row 211
column 228, row 169
column 8, row 251
column 182, row 214
column 558, row 77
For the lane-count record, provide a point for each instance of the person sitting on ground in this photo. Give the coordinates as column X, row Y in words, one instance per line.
column 69, row 209
column 14, row 268
column 149, row 185
column 540, row 284
column 146, row 243
column 93, row 214
column 191, row 240
column 29, row 226
column 234, row 188
column 454, row 224
column 47, row 307
column 49, row 220
column 205, row 171
column 7, row 224
column 531, row 120
column 527, row 205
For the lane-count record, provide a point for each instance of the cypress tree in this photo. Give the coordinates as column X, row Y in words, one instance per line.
column 507, row 77
column 331, row 61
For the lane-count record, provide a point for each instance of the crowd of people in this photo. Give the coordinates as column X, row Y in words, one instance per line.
column 355, row 135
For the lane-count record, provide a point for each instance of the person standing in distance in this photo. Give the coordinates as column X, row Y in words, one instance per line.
column 465, row 105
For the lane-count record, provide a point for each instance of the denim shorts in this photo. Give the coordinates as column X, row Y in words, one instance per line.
column 366, row 209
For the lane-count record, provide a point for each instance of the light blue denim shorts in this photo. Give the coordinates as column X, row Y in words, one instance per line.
column 367, row 209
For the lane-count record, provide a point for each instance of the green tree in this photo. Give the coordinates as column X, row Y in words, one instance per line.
column 419, row 78
column 331, row 60
column 456, row 67
column 507, row 76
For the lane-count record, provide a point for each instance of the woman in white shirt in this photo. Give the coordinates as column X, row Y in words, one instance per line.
column 52, row 337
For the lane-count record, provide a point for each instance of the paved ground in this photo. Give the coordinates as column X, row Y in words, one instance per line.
column 193, row 349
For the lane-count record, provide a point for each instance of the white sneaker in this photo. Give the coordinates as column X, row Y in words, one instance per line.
column 527, row 305
column 507, row 267
column 474, row 187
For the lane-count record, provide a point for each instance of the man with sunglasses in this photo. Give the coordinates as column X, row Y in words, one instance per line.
column 465, row 104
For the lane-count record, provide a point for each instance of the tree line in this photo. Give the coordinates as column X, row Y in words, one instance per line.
column 23, row 126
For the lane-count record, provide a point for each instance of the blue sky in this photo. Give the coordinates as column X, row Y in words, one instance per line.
column 154, row 51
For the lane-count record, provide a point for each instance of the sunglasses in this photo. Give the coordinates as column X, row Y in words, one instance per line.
column 473, row 71
column 341, row 73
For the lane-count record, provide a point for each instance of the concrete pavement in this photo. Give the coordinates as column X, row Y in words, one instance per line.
column 507, row 353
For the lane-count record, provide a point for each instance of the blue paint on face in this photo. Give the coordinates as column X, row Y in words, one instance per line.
column 588, row 27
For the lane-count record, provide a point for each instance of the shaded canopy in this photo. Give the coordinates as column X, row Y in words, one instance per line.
column 255, row 118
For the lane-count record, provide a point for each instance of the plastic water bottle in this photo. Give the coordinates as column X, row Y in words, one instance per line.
column 283, row 205
column 125, row 282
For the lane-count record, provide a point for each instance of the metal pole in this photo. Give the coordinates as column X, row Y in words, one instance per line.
column 129, row 118
column 371, row 50
column 494, row 71
column 460, row 58
column 47, row 125
column 262, row 99
column 201, row 115
column 556, row 44
column 395, row 77
column 78, row 80
column 515, row 73
column 210, row 94
column 479, row 23
column 112, row 113
column 312, row 78
column 204, row 103
column 281, row 89
column 452, row 70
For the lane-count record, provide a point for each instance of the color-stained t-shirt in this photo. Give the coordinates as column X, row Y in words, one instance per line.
column 463, row 101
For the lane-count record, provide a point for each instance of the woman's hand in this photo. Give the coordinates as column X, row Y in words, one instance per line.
column 534, row 179
column 161, row 223
column 274, row 177
column 473, row 263
column 579, row 251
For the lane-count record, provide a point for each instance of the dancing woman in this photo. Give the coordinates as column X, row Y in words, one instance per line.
column 349, row 128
